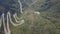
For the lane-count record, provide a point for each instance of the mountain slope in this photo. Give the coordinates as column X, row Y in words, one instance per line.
column 48, row 22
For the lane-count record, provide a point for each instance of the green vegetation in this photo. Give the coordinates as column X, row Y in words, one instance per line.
column 48, row 22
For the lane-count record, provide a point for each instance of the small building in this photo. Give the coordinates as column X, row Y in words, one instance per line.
column 36, row 12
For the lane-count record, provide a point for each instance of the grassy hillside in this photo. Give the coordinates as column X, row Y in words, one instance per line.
column 48, row 22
